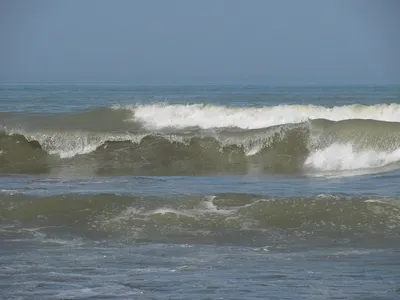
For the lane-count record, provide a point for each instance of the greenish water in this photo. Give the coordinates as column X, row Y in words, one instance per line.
column 201, row 192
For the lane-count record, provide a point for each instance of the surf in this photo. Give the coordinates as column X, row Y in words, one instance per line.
column 311, row 147
column 158, row 116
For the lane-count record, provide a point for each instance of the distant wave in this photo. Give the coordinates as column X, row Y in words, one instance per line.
column 210, row 116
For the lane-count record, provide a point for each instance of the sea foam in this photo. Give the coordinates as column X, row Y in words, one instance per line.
column 344, row 157
column 157, row 116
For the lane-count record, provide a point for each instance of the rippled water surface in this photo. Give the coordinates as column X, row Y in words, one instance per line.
column 205, row 192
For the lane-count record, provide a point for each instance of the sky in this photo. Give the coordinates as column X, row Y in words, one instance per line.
column 193, row 42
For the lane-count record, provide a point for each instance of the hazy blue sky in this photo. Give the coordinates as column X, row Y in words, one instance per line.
column 180, row 42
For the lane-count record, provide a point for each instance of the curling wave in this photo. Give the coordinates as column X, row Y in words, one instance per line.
column 200, row 140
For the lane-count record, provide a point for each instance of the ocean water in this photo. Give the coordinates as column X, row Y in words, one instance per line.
column 199, row 192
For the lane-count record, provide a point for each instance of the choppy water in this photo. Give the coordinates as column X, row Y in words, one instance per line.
column 200, row 192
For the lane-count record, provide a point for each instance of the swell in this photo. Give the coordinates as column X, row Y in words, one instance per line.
column 310, row 147
column 232, row 218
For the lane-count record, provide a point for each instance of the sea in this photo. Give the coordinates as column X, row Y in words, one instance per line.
column 111, row 191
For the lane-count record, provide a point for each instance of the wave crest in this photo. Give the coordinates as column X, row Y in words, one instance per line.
column 309, row 147
column 158, row 116
column 163, row 139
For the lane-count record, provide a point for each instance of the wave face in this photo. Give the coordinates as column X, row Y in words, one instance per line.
column 204, row 140
column 222, row 218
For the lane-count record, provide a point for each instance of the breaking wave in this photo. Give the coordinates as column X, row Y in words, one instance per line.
column 210, row 116
column 198, row 139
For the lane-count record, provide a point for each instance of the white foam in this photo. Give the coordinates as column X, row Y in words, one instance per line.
column 205, row 207
column 208, row 207
column 343, row 157
column 167, row 210
column 69, row 144
column 9, row 191
column 375, row 201
column 157, row 116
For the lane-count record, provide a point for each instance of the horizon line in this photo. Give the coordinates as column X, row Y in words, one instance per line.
column 120, row 83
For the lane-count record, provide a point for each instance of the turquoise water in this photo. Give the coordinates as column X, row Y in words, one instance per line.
column 200, row 192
